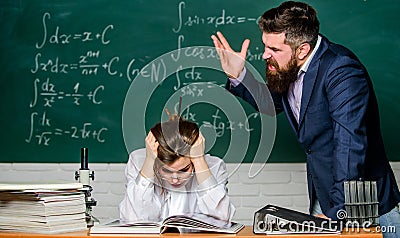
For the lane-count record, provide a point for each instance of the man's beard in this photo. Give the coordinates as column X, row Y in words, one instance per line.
column 279, row 80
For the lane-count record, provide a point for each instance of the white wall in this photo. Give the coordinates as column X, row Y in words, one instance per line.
column 279, row 184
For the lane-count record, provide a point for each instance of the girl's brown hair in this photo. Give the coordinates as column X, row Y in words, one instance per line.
column 175, row 138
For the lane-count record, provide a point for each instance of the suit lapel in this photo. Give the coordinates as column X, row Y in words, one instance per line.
column 308, row 85
column 310, row 78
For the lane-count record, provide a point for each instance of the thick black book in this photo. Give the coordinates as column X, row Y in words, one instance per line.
column 272, row 220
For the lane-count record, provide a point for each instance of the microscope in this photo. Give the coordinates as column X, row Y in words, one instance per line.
column 84, row 175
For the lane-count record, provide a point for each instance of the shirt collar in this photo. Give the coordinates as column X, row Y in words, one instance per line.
column 304, row 67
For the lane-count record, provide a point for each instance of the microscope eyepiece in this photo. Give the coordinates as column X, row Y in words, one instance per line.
column 84, row 158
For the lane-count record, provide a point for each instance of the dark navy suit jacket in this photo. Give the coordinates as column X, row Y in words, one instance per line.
column 339, row 127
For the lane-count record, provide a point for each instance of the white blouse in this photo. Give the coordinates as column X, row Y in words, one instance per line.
column 144, row 200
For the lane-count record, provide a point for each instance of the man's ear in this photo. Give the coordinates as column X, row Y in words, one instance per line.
column 303, row 50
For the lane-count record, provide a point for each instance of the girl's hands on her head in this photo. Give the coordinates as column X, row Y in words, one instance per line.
column 197, row 157
column 151, row 155
column 151, row 146
column 197, row 150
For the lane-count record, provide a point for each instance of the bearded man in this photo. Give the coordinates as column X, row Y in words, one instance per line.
column 328, row 98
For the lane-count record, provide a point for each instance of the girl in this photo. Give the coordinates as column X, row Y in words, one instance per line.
column 172, row 176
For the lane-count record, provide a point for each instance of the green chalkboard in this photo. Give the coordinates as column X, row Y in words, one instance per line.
column 99, row 74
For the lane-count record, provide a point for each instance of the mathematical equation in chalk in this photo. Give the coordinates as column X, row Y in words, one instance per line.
column 42, row 131
column 220, row 126
column 83, row 64
column 66, row 38
column 48, row 92
column 216, row 21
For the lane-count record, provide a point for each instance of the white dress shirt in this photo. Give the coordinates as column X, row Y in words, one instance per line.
column 144, row 200
column 294, row 95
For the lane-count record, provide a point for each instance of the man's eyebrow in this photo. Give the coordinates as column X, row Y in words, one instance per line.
column 270, row 47
column 273, row 48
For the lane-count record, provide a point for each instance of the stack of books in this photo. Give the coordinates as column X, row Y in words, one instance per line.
column 42, row 208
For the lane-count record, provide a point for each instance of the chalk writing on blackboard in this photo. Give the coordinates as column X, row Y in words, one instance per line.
column 58, row 37
column 220, row 126
column 213, row 20
column 51, row 72
column 48, row 92
column 41, row 130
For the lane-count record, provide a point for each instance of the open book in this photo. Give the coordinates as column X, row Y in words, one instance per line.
column 184, row 223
